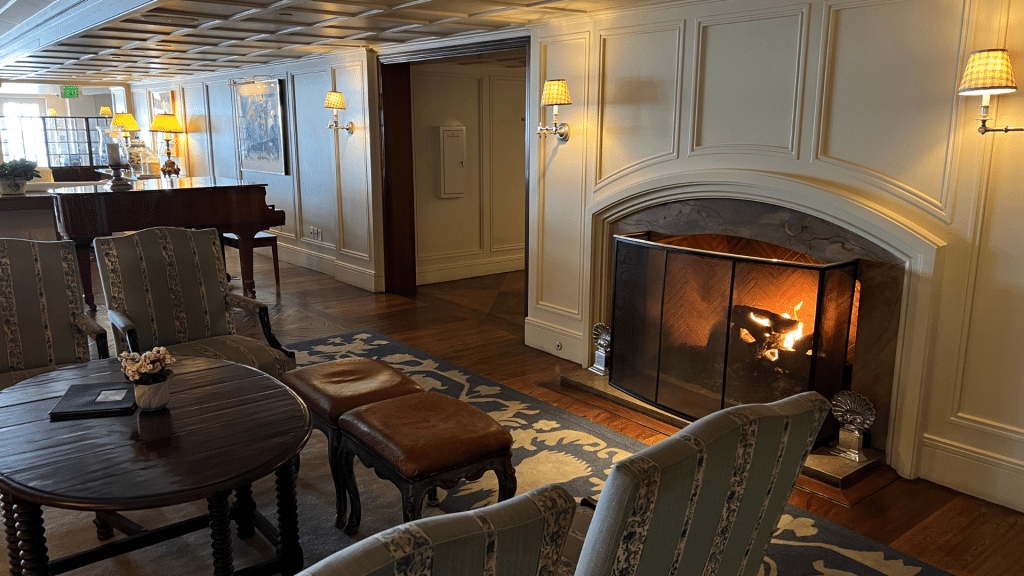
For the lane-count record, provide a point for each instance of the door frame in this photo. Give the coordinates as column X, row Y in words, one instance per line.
column 398, row 203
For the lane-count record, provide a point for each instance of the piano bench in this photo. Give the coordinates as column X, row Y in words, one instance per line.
column 261, row 240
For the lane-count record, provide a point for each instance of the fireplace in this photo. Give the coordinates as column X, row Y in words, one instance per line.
column 769, row 231
column 703, row 322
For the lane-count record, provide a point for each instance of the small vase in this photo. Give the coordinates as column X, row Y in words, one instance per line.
column 10, row 188
column 155, row 394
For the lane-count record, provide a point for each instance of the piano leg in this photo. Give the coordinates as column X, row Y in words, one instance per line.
column 85, row 272
column 245, row 259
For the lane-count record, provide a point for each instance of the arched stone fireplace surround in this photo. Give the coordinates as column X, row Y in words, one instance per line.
column 899, row 263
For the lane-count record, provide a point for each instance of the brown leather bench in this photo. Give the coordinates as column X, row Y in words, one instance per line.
column 333, row 388
column 420, row 442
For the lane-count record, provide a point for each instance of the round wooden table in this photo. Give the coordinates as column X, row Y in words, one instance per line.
column 226, row 426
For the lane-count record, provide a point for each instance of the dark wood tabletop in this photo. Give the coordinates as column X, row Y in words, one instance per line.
column 226, row 425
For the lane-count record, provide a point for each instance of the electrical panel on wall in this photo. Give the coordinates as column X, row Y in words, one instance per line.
column 452, row 155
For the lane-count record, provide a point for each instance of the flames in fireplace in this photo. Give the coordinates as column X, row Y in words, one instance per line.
column 708, row 321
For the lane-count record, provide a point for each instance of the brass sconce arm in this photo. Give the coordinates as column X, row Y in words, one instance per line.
column 560, row 129
column 984, row 129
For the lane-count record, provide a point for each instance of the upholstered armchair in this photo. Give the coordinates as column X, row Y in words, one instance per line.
column 41, row 305
column 521, row 535
column 168, row 287
column 705, row 500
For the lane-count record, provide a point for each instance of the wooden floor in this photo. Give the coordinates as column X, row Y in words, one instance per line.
column 478, row 324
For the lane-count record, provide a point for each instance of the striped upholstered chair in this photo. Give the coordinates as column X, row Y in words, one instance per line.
column 521, row 536
column 168, row 287
column 703, row 501
column 44, row 325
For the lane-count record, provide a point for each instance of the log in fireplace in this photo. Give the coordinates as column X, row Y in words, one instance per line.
column 706, row 321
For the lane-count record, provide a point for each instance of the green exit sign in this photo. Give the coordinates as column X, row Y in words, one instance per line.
column 70, row 91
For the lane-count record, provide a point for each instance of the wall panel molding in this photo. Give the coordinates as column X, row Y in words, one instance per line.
column 630, row 78
column 936, row 203
column 780, row 84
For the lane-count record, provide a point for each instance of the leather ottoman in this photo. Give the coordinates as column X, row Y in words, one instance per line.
column 333, row 388
column 420, row 442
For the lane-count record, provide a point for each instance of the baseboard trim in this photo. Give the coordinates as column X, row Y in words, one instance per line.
column 426, row 274
column 548, row 338
column 983, row 474
column 347, row 273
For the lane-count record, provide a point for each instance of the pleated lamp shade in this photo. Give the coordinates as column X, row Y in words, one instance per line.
column 556, row 92
column 335, row 101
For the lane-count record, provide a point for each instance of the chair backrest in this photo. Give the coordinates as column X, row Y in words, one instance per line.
column 40, row 296
column 522, row 536
column 170, row 282
column 706, row 500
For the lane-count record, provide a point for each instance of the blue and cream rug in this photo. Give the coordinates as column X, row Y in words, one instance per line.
column 551, row 446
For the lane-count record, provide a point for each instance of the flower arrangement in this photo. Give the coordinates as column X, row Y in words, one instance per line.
column 18, row 170
column 148, row 367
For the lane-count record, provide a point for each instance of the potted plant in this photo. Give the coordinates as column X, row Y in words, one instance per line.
column 14, row 174
column 149, row 372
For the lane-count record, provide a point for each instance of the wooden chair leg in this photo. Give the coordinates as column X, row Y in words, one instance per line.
column 277, row 268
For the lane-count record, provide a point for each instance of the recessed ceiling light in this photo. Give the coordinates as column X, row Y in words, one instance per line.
column 168, row 19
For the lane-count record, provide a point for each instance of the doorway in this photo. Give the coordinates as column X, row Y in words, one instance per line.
column 402, row 123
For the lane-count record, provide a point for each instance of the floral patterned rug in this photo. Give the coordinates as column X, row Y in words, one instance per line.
column 556, row 446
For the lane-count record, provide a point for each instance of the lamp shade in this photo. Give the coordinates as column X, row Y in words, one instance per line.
column 166, row 123
column 335, row 101
column 126, row 122
column 105, row 111
column 988, row 72
column 51, row 112
column 555, row 92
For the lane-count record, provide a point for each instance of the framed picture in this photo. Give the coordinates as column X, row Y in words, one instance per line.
column 260, row 124
column 161, row 103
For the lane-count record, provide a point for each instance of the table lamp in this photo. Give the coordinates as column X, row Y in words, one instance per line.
column 168, row 124
column 126, row 123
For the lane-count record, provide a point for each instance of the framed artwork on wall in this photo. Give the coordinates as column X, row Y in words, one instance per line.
column 260, row 123
column 161, row 103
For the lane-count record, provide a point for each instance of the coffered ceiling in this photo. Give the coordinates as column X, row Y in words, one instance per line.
column 134, row 40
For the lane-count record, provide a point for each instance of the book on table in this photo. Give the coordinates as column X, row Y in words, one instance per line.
column 94, row 400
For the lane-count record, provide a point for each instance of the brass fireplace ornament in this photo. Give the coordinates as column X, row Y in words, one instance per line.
column 603, row 340
column 856, row 414
column 988, row 72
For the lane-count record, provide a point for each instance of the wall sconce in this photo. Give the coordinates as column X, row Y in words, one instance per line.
column 988, row 72
column 125, row 123
column 336, row 101
column 105, row 111
column 555, row 92
column 168, row 124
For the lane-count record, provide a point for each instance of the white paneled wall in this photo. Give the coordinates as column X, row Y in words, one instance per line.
column 845, row 109
column 481, row 231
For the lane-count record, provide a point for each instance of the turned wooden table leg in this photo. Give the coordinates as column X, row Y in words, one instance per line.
column 28, row 519
column 289, row 551
column 7, row 506
column 245, row 510
column 220, row 533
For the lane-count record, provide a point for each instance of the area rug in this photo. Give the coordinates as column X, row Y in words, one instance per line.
column 552, row 445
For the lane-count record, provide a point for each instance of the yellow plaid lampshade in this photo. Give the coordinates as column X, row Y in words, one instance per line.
column 51, row 112
column 105, row 111
column 988, row 72
column 335, row 101
column 555, row 92
column 166, row 123
column 126, row 122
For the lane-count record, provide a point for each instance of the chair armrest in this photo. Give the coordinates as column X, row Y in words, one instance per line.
column 93, row 329
column 263, row 313
column 125, row 326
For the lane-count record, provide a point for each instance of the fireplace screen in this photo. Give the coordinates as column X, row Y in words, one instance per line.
column 697, row 330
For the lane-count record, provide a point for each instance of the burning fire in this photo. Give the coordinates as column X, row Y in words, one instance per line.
column 789, row 339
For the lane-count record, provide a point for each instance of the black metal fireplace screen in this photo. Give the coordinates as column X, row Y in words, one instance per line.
column 695, row 331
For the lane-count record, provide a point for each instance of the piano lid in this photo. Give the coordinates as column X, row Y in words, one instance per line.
column 158, row 184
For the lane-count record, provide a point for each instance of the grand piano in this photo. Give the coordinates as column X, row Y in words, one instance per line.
column 87, row 212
